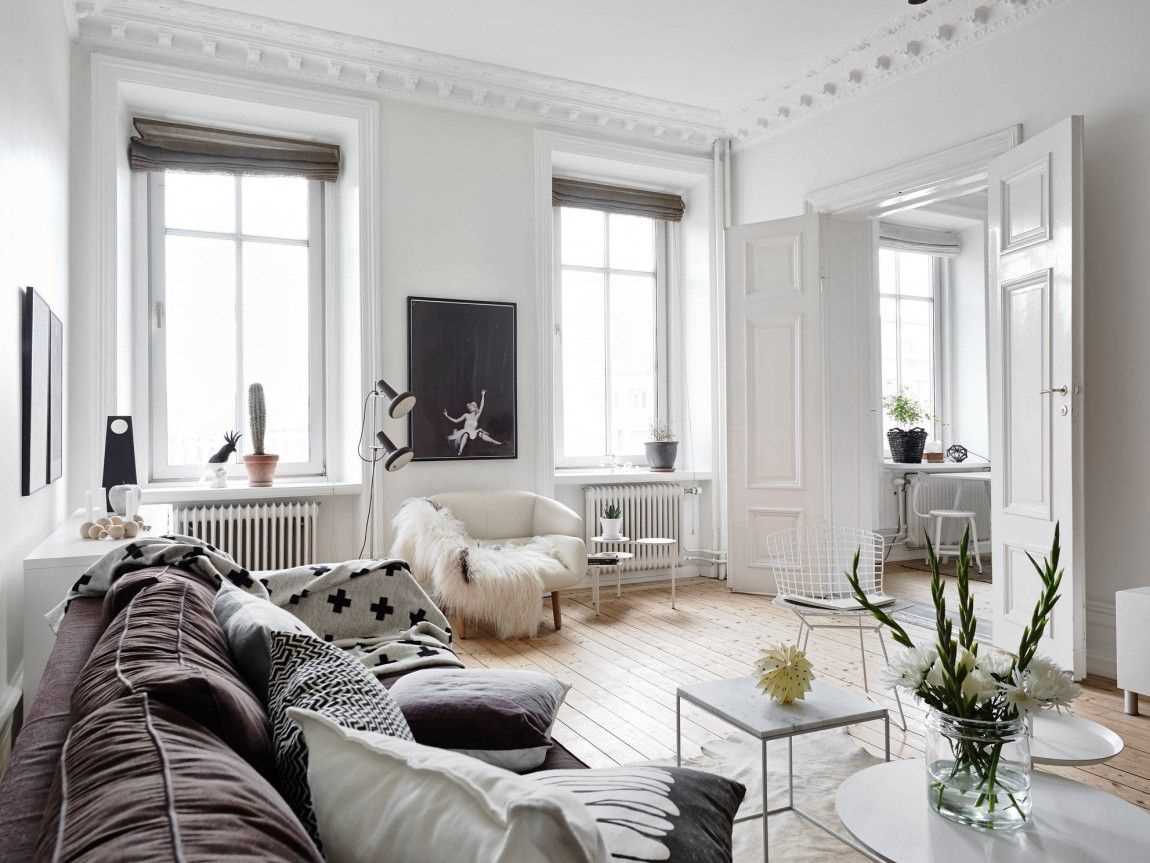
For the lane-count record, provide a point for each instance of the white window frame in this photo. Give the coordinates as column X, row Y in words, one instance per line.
column 939, row 271
column 159, row 468
column 663, row 232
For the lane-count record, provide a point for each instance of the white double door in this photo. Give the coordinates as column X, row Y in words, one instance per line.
column 802, row 424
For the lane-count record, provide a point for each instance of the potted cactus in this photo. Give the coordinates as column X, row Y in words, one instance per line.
column 261, row 466
column 611, row 522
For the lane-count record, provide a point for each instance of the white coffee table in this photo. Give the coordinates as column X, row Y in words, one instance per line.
column 1071, row 741
column 741, row 703
column 885, row 808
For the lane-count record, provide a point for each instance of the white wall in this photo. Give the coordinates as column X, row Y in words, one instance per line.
column 966, row 316
column 34, row 128
column 1080, row 57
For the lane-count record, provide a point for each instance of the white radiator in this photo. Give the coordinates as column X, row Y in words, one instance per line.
column 940, row 494
column 649, row 510
column 258, row 535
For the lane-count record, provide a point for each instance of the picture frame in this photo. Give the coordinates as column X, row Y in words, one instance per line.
column 35, row 371
column 463, row 368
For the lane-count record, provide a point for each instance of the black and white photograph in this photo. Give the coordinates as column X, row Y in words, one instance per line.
column 461, row 361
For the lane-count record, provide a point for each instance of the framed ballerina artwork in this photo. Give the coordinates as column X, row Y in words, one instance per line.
column 462, row 363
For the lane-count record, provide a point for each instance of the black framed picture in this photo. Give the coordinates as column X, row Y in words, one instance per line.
column 35, row 355
column 461, row 361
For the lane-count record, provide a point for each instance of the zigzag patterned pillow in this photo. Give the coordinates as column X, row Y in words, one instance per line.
column 315, row 675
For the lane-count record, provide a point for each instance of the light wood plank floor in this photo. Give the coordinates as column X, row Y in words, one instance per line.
column 624, row 665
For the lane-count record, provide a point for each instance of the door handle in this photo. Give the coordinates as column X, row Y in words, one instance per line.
column 1060, row 390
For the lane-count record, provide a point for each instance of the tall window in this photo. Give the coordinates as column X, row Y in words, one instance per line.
column 236, row 298
column 908, row 288
column 611, row 320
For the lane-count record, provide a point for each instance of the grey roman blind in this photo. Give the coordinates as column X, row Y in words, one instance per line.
column 159, row 145
column 616, row 199
column 908, row 238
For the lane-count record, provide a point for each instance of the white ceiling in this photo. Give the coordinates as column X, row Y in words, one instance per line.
column 718, row 54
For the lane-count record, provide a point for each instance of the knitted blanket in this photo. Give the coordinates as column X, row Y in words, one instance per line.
column 373, row 609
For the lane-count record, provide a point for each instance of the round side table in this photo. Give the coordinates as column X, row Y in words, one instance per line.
column 1070, row 741
column 663, row 540
column 618, row 558
column 885, row 808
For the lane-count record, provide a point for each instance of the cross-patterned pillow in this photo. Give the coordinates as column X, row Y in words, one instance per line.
column 309, row 673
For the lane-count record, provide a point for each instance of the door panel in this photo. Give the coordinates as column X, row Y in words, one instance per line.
column 775, row 389
column 1036, row 236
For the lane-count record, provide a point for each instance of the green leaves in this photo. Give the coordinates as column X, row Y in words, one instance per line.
column 1051, row 577
column 896, row 631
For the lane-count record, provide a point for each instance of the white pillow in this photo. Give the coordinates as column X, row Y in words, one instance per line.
column 378, row 797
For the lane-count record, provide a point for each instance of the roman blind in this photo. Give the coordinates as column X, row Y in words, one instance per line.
column 159, row 145
column 908, row 238
column 616, row 199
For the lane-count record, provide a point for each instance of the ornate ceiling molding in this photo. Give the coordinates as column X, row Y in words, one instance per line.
column 177, row 28
column 205, row 34
column 917, row 39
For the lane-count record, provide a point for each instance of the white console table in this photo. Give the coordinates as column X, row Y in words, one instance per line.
column 1132, row 624
column 49, row 571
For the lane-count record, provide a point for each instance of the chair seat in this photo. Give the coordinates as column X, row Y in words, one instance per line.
column 951, row 513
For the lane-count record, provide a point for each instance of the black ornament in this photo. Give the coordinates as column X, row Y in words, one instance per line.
column 224, row 453
column 957, row 453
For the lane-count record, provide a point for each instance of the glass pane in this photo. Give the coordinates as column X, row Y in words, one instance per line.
column 632, row 372
column 275, row 207
column 584, row 365
column 199, row 202
column 200, row 340
column 916, row 340
column 887, row 307
column 888, row 271
column 915, row 275
column 632, row 242
column 582, row 240
column 275, row 317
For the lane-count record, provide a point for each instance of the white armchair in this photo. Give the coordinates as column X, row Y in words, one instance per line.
column 519, row 516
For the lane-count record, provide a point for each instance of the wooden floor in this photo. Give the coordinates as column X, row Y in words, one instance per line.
column 624, row 665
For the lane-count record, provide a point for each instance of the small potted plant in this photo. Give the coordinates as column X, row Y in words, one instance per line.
column 261, row 466
column 662, row 448
column 611, row 522
column 906, row 444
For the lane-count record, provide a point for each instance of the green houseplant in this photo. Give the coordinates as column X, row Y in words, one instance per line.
column 260, row 465
column 662, row 448
column 611, row 522
column 906, row 444
column 978, row 699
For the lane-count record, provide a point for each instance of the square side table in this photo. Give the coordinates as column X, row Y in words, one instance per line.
column 740, row 703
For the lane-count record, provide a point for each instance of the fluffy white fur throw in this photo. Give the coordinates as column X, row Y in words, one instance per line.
column 497, row 583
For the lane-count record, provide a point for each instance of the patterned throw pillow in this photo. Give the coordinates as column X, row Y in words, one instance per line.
column 656, row 813
column 312, row 674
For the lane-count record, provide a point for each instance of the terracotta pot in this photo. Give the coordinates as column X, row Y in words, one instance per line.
column 261, row 468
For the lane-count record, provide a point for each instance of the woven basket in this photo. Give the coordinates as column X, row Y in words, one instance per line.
column 906, row 446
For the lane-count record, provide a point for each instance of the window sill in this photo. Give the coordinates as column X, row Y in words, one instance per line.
column 287, row 488
column 585, row 476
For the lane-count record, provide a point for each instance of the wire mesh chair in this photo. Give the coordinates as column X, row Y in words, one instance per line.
column 809, row 566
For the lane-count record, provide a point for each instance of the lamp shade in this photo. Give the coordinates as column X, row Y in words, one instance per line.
column 395, row 457
column 399, row 404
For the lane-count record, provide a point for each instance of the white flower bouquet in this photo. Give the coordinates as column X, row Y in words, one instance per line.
column 980, row 698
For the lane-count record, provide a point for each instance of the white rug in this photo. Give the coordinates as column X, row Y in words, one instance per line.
column 822, row 761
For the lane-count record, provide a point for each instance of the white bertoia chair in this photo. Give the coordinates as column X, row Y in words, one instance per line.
column 809, row 566
column 940, row 516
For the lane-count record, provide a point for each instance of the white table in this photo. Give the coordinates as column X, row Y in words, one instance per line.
column 1070, row 741
column 741, row 703
column 901, row 478
column 617, row 559
column 649, row 541
column 885, row 808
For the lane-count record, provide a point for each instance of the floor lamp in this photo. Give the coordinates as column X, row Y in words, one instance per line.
column 393, row 458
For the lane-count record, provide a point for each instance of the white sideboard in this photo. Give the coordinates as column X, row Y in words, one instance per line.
column 1132, row 620
column 49, row 572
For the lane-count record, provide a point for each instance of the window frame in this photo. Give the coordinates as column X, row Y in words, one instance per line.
column 159, row 467
column 939, row 274
column 662, row 240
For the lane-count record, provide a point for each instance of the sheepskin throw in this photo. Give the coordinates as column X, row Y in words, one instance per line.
column 495, row 583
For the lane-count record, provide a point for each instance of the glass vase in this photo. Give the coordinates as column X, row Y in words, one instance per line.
column 978, row 772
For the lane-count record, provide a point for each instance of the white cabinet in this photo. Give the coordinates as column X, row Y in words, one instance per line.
column 1132, row 610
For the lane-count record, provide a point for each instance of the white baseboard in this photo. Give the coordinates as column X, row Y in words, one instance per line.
column 1101, row 639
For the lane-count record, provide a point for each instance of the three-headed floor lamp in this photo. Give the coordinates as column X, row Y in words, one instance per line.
column 399, row 405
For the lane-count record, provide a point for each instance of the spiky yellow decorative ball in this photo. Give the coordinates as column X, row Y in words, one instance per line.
column 784, row 673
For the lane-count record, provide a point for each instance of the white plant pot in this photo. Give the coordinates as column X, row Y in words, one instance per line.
column 611, row 528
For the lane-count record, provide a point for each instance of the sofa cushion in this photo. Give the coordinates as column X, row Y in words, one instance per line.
column 140, row 781
column 316, row 675
column 501, row 716
column 656, row 813
column 427, row 805
column 248, row 622
column 166, row 641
